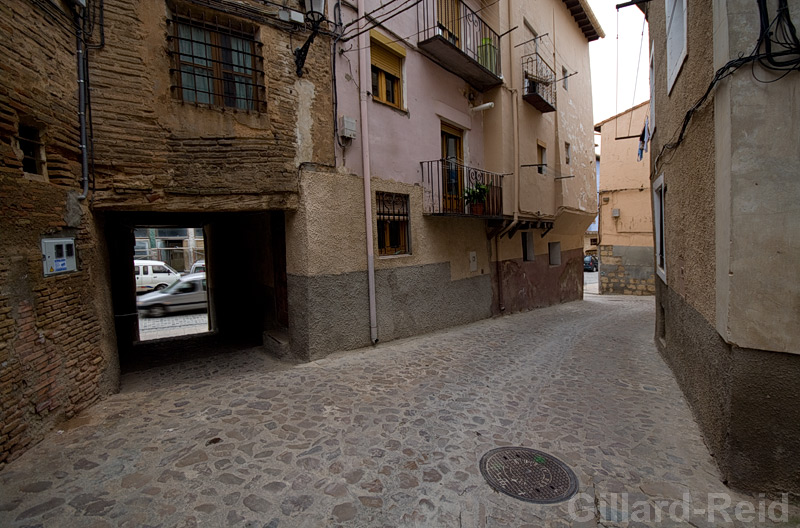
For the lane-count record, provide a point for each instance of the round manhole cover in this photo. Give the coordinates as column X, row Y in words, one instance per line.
column 528, row 475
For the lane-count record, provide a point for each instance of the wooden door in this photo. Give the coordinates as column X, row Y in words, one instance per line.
column 452, row 170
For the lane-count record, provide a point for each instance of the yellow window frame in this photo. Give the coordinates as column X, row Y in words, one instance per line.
column 386, row 60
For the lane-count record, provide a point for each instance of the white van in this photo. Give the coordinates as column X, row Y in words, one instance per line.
column 153, row 275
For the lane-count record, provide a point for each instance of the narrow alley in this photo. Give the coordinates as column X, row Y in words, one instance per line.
column 390, row 436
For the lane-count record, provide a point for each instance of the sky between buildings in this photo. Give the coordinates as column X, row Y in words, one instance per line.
column 615, row 85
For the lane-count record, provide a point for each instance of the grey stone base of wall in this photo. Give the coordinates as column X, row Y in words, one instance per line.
column 626, row 270
column 329, row 313
column 744, row 400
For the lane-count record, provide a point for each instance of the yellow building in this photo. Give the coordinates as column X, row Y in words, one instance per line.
column 625, row 231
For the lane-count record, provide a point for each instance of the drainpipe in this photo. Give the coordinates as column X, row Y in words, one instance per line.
column 82, row 108
column 363, row 82
column 515, row 121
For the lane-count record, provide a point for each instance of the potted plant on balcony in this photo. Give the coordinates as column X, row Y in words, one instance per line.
column 476, row 198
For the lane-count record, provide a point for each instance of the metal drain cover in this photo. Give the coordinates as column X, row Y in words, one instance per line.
column 528, row 475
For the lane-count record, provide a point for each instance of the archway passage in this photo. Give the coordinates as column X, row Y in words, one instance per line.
column 245, row 282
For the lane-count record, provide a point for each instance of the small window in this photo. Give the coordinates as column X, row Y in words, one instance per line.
column 541, row 153
column 141, row 248
column 676, row 39
column 554, row 248
column 136, row 270
column 527, row 246
column 393, row 233
column 31, row 150
column 387, row 73
column 160, row 269
column 564, row 77
column 593, row 241
column 659, row 195
column 145, row 270
column 186, row 287
column 216, row 63
column 567, row 152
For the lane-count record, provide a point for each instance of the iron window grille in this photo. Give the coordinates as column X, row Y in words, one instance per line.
column 33, row 158
column 216, row 61
column 393, row 224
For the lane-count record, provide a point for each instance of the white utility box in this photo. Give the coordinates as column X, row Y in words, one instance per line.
column 58, row 256
column 347, row 127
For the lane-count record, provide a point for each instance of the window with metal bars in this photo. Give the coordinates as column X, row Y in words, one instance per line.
column 32, row 150
column 216, row 61
column 393, row 226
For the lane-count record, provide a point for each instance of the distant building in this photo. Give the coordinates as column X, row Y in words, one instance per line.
column 590, row 238
column 625, row 231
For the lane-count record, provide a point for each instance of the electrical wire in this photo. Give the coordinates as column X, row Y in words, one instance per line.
column 378, row 22
column 404, row 39
column 636, row 79
column 365, row 16
column 786, row 61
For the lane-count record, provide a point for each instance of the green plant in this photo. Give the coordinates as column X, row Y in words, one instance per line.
column 477, row 194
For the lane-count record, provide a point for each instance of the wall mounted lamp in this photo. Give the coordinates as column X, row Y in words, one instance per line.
column 315, row 13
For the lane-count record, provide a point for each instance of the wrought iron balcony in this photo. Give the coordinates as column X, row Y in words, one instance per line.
column 456, row 38
column 454, row 189
column 539, row 86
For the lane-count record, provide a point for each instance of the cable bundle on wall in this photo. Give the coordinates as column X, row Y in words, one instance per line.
column 781, row 53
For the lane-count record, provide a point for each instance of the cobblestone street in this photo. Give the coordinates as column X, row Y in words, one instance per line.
column 388, row 436
column 172, row 325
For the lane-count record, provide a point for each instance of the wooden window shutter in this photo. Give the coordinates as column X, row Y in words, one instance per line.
column 385, row 60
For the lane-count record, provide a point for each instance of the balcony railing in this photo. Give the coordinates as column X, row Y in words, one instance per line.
column 539, row 87
column 460, row 41
column 454, row 189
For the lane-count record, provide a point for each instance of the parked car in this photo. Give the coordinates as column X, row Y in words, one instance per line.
column 153, row 275
column 187, row 293
column 589, row 263
column 198, row 267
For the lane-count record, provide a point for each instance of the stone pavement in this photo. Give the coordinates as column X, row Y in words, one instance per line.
column 172, row 325
column 387, row 436
column 590, row 282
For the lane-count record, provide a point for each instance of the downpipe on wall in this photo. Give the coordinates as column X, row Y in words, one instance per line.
column 363, row 82
column 82, row 106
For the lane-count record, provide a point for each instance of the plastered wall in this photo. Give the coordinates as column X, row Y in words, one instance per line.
column 757, row 142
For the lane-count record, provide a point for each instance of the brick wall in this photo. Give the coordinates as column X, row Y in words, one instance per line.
column 157, row 153
column 55, row 357
column 58, row 350
column 626, row 270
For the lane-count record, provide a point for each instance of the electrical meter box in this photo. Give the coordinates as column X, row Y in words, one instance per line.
column 58, row 256
column 347, row 127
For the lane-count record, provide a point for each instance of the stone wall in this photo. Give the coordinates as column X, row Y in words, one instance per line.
column 56, row 333
column 626, row 270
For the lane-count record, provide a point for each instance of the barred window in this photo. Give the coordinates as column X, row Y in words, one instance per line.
column 216, row 62
column 393, row 232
